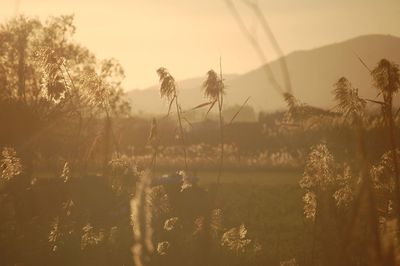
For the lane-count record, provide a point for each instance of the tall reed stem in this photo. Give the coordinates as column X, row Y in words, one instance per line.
column 393, row 147
column 221, row 125
column 367, row 185
column 107, row 148
column 178, row 111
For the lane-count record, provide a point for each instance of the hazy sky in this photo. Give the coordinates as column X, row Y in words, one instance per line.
column 189, row 36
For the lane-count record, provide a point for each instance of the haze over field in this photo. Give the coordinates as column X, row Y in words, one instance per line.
column 199, row 133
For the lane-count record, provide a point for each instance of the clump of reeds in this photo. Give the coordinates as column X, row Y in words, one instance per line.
column 327, row 190
column 352, row 109
column 318, row 178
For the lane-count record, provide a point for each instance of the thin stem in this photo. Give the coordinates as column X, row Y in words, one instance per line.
column 154, row 163
column 178, row 111
column 153, row 140
column 107, row 135
column 221, row 132
column 314, row 234
column 366, row 190
column 221, row 125
column 275, row 44
column 393, row 147
column 370, row 195
column 263, row 58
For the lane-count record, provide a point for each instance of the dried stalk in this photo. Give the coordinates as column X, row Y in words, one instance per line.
column 221, row 122
column 141, row 214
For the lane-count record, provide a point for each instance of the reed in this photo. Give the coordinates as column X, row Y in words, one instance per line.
column 168, row 90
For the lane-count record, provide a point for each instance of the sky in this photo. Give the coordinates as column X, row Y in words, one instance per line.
column 189, row 36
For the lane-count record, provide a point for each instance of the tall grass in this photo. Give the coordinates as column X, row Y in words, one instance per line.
column 214, row 91
column 386, row 79
column 168, row 90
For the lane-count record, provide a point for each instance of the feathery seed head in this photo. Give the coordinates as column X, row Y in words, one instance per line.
column 319, row 169
column 66, row 175
column 349, row 102
column 163, row 247
column 170, row 223
column 386, row 77
column 213, row 86
column 10, row 164
column 235, row 239
column 167, row 84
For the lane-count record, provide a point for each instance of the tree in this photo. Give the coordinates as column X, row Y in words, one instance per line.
column 46, row 79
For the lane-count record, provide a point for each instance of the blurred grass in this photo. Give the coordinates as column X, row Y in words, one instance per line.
column 271, row 177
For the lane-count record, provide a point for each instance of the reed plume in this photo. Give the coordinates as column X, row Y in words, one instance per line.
column 169, row 91
column 214, row 91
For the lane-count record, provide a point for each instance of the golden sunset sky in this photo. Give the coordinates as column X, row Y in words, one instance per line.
column 189, row 36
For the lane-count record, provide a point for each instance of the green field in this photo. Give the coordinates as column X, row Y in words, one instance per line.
column 271, row 177
column 247, row 177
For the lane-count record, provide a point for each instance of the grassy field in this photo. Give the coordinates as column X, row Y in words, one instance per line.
column 258, row 177
column 271, row 177
column 245, row 177
column 270, row 204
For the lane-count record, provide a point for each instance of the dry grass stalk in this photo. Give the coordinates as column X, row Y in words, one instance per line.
column 169, row 91
column 214, row 91
column 386, row 78
column 352, row 108
column 141, row 215
column 153, row 141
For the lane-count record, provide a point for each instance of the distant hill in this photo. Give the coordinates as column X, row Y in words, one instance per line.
column 313, row 73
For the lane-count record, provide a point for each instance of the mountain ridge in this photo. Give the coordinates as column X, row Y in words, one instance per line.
column 313, row 73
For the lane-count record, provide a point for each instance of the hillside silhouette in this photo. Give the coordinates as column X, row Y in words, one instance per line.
column 313, row 73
